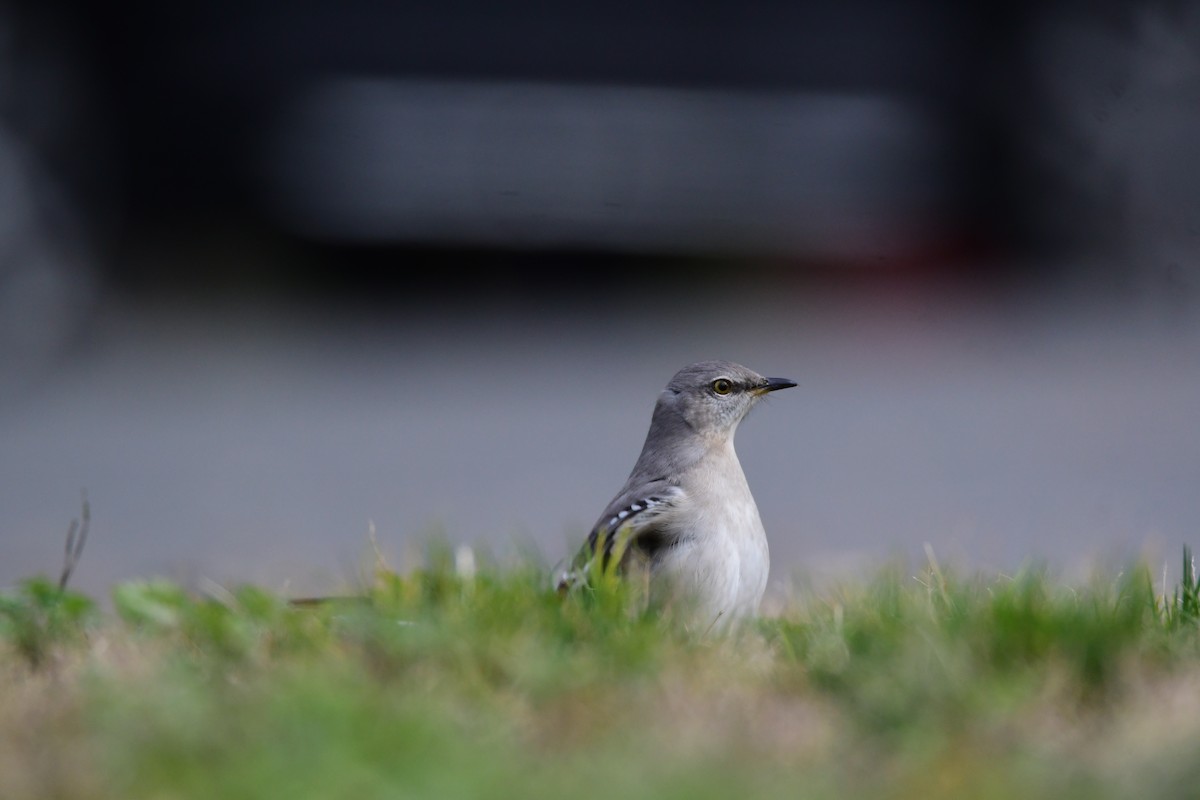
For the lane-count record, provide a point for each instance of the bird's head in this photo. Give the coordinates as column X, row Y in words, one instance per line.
column 712, row 397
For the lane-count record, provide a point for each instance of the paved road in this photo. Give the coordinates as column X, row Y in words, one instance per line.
column 255, row 443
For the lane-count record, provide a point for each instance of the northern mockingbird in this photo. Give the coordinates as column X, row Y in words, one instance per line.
column 686, row 516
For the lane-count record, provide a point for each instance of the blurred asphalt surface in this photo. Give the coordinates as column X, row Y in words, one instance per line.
column 256, row 443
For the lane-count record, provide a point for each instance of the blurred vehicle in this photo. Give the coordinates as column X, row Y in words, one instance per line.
column 820, row 130
column 862, row 134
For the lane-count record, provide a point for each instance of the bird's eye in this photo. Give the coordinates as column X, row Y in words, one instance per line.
column 722, row 386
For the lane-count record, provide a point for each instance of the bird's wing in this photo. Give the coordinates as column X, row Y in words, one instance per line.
column 632, row 522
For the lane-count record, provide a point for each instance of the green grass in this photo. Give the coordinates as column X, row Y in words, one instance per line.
column 436, row 685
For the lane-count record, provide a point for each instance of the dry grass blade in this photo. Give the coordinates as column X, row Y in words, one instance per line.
column 76, row 538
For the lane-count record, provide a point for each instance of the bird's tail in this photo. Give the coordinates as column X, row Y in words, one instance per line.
column 602, row 557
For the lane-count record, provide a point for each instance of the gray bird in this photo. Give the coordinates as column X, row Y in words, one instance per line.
column 685, row 517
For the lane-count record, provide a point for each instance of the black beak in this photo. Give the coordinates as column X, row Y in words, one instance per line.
column 775, row 384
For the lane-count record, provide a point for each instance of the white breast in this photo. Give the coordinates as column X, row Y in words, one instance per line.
column 723, row 563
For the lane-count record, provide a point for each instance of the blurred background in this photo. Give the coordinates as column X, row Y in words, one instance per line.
column 273, row 272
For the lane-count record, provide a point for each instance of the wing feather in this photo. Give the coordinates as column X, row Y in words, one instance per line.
column 631, row 523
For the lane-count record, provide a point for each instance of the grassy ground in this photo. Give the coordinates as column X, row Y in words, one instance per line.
column 448, row 686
